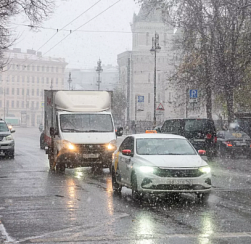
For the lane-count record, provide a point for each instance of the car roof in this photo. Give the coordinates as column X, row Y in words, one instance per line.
column 154, row 135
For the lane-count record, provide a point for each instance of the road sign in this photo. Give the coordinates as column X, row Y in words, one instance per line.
column 160, row 107
column 193, row 93
column 42, row 104
column 140, row 103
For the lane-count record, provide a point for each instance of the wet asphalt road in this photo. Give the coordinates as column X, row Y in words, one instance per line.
column 37, row 206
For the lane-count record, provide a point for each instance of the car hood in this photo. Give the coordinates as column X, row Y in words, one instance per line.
column 171, row 161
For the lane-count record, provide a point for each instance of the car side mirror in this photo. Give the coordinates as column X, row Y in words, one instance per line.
column 12, row 131
column 119, row 131
column 127, row 152
column 52, row 131
column 202, row 152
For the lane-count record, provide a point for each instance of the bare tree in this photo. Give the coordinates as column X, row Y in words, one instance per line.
column 35, row 10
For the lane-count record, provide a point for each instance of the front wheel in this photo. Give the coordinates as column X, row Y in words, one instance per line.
column 115, row 185
column 136, row 195
column 203, row 197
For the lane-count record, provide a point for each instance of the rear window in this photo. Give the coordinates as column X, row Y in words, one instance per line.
column 236, row 135
column 199, row 125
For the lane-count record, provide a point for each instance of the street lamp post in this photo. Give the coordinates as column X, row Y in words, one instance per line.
column 99, row 70
column 155, row 49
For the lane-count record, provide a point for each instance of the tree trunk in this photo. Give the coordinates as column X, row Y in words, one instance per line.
column 209, row 102
column 230, row 103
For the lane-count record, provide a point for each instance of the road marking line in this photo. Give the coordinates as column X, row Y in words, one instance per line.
column 6, row 236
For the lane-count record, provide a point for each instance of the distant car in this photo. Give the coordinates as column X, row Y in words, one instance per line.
column 7, row 143
column 159, row 163
column 158, row 129
column 200, row 132
column 233, row 143
column 42, row 141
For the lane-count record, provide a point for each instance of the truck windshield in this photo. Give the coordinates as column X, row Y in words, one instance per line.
column 86, row 123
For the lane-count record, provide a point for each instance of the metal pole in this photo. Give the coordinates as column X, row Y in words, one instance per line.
column 4, row 103
column 154, row 100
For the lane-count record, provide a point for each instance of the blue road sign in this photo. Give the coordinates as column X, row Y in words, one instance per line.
column 140, row 99
column 193, row 93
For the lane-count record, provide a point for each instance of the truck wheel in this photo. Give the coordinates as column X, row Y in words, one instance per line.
column 203, row 197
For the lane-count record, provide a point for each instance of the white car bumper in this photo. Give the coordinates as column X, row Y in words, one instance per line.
column 154, row 184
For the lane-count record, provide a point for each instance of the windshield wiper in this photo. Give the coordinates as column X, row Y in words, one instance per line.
column 71, row 130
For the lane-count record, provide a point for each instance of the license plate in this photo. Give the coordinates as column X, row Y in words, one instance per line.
column 91, row 155
column 180, row 182
column 241, row 144
column 199, row 140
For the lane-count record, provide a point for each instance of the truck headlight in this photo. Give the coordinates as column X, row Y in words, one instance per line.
column 146, row 169
column 8, row 138
column 69, row 145
column 205, row 169
column 112, row 145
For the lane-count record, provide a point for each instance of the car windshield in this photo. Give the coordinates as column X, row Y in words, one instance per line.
column 163, row 146
column 197, row 125
column 3, row 127
column 86, row 123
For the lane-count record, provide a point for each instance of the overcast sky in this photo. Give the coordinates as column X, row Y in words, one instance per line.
column 99, row 38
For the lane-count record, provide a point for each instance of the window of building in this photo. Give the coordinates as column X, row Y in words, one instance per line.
column 33, row 79
column 17, row 91
column 22, row 104
column 12, row 104
column 27, row 104
column 32, row 92
column 17, row 104
column 28, row 79
column 27, row 92
column 149, row 98
column 37, row 92
column 37, row 79
column 13, row 91
column 32, row 104
column 23, row 79
column 18, row 78
column 22, row 91
column 7, row 91
column 37, row 105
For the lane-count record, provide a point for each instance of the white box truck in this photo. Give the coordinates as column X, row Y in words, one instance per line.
column 79, row 129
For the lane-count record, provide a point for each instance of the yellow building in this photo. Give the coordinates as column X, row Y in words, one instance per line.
column 23, row 81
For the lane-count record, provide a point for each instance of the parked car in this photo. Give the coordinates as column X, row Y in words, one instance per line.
column 233, row 143
column 7, row 143
column 159, row 163
column 200, row 132
column 42, row 141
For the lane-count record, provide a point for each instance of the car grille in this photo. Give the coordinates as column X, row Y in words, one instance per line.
column 91, row 148
column 179, row 173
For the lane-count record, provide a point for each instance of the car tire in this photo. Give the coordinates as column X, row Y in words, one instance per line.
column 115, row 185
column 136, row 195
column 10, row 154
column 203, row 197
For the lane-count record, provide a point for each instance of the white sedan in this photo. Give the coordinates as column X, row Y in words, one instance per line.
column 160, row 163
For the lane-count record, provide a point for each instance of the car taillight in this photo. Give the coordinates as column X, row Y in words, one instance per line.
column 229, row 144
column 209, row 136
column 215, row 139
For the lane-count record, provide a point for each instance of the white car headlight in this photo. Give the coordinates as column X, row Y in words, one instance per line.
column 69, row 145
column 146, row 169
column 112, row 145
column 205, row 169
column 8, row 138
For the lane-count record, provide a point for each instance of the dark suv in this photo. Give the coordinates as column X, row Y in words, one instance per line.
column 200, row 132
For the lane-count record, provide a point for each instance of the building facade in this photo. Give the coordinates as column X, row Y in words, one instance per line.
column 136, row 71
column 23, row 81
column 86, row 79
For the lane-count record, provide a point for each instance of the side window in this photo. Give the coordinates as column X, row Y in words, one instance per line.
column 220, row 135
column 124, row 144
column 165, row 127
column 131, row 144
